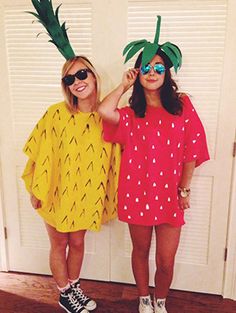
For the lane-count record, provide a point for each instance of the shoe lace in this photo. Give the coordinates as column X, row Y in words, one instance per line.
column 79, row 293
column 160, row 304
column 147, row 302
column 74, row 303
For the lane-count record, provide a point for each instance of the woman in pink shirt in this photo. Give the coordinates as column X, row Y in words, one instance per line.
column 163, row 141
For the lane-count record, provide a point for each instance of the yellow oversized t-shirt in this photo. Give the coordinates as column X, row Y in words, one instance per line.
column 72, row 170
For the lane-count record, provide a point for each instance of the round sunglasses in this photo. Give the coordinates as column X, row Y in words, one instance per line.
column 82, row 74
column 158, row 68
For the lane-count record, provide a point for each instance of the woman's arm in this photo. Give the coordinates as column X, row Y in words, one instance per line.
column 185, row 181
column 108, row 107
column 187, row 174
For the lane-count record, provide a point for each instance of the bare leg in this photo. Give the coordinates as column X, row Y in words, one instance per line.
column 167, row 241
column 57, row 257
column 75, row 254
column 141, row 238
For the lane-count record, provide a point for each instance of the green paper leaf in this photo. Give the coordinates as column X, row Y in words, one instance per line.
column 176, row 51
column 57, row 12
column 50, row 21
column 170, row 54
column 134, row 50
column 63, row 28
column 150, row 49
column 62, row 52
column 37, row 6
column 149, row 52
column 158, row 26
column 34, row 14
column 132, row 43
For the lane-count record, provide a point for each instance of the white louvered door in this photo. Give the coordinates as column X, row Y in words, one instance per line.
column 199, row 29
column 32, row 74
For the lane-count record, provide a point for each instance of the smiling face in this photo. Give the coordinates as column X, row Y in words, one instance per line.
column 82, row 88
column 152, row 81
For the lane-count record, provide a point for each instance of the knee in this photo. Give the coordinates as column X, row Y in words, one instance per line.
column 60, row 245
column 76, row 244
column 165, row 266
column 141, row 252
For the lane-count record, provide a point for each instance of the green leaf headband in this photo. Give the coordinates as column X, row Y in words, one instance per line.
column 50, row 21
column 172, row 52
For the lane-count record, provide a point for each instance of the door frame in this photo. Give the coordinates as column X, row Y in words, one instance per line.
column 229, row 290
column 229, row 284
column 3, row 241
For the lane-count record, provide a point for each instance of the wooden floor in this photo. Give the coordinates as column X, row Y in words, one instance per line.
column 25, row 293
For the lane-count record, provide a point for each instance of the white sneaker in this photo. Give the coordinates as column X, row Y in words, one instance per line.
column 159, row 305
column 145, row 305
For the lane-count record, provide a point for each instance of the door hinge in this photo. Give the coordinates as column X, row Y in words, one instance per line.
column 234, row 149
column 5, row 232
column 226, row 254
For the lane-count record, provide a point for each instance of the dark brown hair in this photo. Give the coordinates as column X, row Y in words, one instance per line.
column 170, row 97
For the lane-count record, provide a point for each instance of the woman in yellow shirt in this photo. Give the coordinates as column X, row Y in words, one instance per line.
column 71, row 172
column 71, row 176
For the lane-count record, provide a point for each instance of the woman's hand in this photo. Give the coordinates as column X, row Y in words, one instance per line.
column 129, row 77
column 108, row 107
column 184, row 203
column 36, row 203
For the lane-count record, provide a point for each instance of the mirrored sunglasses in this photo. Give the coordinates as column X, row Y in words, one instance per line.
column 158, row 68
column 82, row 74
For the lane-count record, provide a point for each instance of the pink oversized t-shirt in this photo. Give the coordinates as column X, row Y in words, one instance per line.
column 154, row 150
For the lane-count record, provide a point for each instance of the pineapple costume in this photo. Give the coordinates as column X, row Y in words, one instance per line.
column 72, row 170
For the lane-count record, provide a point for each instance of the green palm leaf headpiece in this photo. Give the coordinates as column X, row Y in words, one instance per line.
column 46, row 16
column 171, row 51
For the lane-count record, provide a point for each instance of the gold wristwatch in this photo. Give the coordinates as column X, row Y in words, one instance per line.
column 183, row 192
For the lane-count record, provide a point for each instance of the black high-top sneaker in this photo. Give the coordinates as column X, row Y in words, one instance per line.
column 69, row 303
column 84, row 300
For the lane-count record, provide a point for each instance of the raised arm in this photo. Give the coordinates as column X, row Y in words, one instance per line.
column 108, row 107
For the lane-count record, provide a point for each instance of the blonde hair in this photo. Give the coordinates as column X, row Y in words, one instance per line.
column 69, row 97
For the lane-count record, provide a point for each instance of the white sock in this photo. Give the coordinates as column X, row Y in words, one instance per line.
column 73, row 281
column 63, row 289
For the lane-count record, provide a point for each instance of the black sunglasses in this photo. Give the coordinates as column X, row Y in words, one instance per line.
column 81, row 75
